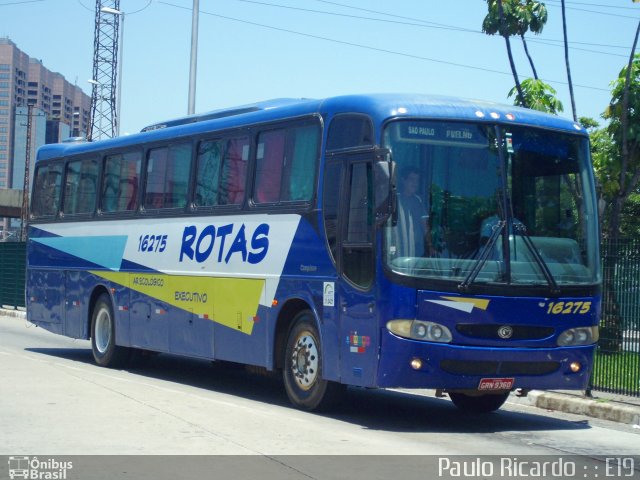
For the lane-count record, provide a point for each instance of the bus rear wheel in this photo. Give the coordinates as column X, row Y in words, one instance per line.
column 103, row 335
column 480, row 403
column 302, row 371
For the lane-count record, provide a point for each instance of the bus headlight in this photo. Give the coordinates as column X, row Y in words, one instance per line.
column 420, row 330
column 578, row 336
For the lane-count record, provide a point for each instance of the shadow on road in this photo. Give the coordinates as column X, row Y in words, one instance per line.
column 371, row 409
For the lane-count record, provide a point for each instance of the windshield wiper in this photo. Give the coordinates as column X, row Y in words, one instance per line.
column 520, row 229
column 484, row 256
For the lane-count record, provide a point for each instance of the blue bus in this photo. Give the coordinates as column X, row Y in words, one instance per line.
column 369, row 240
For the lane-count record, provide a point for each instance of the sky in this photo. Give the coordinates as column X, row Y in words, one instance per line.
column 250, row 51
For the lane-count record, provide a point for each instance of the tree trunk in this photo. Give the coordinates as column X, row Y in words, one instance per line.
column 526, row 50
column 566, row 61
column 510, row 55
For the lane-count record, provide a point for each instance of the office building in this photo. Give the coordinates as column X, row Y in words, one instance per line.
column 59, row 110
column 26, row 81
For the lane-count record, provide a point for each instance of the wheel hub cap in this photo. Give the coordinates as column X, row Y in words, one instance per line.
column 304, row 361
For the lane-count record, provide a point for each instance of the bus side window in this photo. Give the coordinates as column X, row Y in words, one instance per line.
column 234, row 171
column 208, row 173
column 286, row 162
column 46, row 193
column 177, row 182
column 121, row 182
column 269, row 160
column 156, row 173
column 167, row 177
column 80, row 187
column 301, row 174
column 349, row 131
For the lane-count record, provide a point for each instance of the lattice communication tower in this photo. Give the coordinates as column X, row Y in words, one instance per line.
column 104, row 115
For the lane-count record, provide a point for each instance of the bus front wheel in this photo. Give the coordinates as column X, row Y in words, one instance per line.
column 302, row 371
column 478, row 404
column 103, row 335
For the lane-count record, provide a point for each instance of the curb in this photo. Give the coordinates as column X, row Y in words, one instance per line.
column 5, row 312
column 598, row 408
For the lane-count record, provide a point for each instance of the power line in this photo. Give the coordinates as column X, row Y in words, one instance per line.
column 368, row 47
column 549, row 43
column 428, row 24
column 595, row 5
column 22, row 2
column 596, row 12
column 461, row 28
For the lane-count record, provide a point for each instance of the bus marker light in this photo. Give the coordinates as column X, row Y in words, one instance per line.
column 479, row 114
column 510, row 116
column 495, row 115
column 274, row 303
column 575, row 367
column 416, row 363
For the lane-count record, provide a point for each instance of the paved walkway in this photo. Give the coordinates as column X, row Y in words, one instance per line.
column 606, row 406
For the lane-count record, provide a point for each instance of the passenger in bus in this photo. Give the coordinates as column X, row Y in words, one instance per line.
column 412, row 216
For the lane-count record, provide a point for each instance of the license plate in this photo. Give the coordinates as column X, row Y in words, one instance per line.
column 495, row 384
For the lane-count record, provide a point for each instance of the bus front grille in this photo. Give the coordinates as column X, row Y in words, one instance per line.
column 464, row 367
column 518, row 332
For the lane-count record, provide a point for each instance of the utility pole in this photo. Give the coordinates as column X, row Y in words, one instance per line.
column 194, row 57
column 24, row 214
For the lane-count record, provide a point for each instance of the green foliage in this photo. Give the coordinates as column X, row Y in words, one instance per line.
column 588, row 122
column 520, row 17
column 537, row 96
column 630, row 218
column 613, row 113
column 605, row 155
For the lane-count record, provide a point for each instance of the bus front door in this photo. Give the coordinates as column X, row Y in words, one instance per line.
column 355, row 293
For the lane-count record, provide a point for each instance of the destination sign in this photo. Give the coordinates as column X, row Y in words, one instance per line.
column 429, row 132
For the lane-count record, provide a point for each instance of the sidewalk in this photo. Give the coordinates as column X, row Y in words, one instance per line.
column 605, row 406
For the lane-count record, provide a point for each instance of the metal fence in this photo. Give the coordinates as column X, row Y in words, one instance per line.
column 12, row 270
column 617, row 363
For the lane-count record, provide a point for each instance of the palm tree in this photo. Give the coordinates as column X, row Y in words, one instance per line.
column 500, row 19
column 517, row 18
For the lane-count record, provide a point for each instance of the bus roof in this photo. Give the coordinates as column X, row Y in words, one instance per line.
column 379, row 106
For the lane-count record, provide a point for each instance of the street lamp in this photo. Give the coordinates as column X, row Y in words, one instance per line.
column 113, row 11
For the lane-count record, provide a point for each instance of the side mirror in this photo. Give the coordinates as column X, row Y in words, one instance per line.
column 384, row 186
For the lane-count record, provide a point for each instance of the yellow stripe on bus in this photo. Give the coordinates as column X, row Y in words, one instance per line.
column 232, row 302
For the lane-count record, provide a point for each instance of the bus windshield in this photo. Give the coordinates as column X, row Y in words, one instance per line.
column 480, row 203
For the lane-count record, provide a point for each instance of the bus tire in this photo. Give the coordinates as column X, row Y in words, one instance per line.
column 302, row 372
column 480, row 403
column 103, row 336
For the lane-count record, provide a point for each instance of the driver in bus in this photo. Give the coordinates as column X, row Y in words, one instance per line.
column 412, row 216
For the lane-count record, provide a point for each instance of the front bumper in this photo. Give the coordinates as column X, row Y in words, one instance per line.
column 453, row 367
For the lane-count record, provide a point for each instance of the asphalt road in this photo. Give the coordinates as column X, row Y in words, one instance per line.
column 55, row 401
